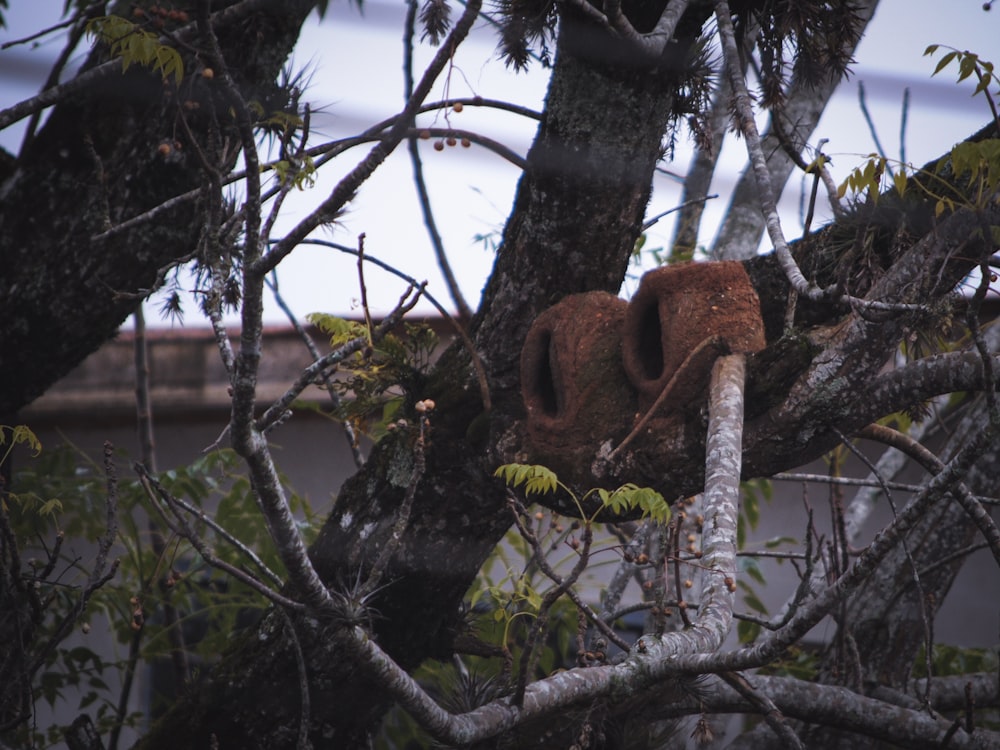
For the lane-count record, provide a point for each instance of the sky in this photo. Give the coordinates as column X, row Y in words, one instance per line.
column 353, row 61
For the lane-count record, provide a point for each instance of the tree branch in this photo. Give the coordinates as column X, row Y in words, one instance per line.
column 896, row 439
column 346, row 188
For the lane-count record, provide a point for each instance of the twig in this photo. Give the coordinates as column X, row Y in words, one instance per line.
column 364, row 288
column 773, row 554
column 863, row 103
column 956, row 555
column 178, row 650
column 39, row 34
column 297, row 159
column 346, row 188
column 905, row 547
column 789, row 476
column 623, row 574
column 817, row 165
column 565, row 585
column 464, row 311
column 903, row 118
column 75, row 35
column 710, row 341
column 686, row 204
column 214, row 310
column 529, row 655
column 972, row 320
column 330, row 151
column 766, row 707
column 224, row 534
column 674, row 545
column 477, row 362
column 987, row 526
column 352, row 439
column 157, row 494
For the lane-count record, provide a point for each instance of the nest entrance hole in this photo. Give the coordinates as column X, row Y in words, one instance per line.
column 545, row 383
column 650, row 349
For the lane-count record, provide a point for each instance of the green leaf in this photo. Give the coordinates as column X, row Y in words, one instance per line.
column 751, row 600
column 50, row 507
column 966, row 67
column 536, row 479
column 751, row 509
column 752, row 568
column 632, row 497
column 943, row 62
column 899, row 182
column 339, row 330
column 21, row 434
column 134, row 45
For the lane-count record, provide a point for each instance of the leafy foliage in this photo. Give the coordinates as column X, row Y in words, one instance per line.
column 539, row 480
column 630, row 497
column 974, row 162
column 62, row 495
column 302, row 175
column 535, row 479
column 375, row 380
column 952, row 660
column 134, row 45
column 969, row 63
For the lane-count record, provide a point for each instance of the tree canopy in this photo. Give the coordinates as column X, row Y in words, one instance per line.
column 561, row 419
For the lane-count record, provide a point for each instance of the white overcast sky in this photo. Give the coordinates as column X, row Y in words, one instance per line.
column 354, row 59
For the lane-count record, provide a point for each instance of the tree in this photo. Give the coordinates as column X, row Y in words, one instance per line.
column 115, row 202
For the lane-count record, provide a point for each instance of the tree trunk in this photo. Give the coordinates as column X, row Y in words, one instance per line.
column 576, row 217
column 105, row 155
column 577, row 213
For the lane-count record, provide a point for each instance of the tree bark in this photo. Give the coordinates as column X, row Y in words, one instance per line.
column 577, row 214
column 106, row 154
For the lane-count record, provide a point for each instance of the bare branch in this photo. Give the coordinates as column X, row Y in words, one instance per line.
column 347, row 186
column 811, row 613
column 771, row 713
column 651, row 44
column 838, row 707
column 157, row 494
column 987, row 526
column 352, row 440
column 464, row 312
column 88, row 78
column 317, row 369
